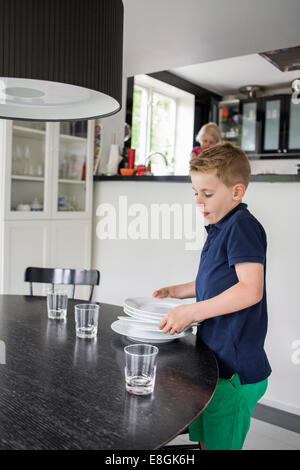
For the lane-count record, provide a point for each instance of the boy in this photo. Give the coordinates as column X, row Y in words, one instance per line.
column 231, row 297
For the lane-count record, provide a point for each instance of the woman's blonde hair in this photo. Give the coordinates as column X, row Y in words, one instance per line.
column 230, row 162
column 211, row 129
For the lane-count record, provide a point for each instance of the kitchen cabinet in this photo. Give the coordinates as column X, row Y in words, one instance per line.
column 24, row 243
column 229, row 121
column 292, row 143
column 270, row 126
column 250, row 110
column 273, row 124
column 281, row 125
column 46, row 203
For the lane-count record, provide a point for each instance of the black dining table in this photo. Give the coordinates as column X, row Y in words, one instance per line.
column 60, row 392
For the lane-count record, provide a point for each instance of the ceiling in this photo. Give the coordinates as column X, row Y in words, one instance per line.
column 193, row 37
column 226, row 76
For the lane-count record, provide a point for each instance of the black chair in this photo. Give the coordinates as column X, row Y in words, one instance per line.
column 83, row 277
column 195, row 446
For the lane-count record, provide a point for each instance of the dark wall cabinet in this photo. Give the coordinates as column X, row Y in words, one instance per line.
column 270, row 126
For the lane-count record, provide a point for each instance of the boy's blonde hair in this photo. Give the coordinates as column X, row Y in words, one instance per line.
column 211, row 129
column 230, row 161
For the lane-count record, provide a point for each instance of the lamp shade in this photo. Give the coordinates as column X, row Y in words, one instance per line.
column 60, row 59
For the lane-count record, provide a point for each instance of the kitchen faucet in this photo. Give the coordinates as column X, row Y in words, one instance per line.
column 156, row 153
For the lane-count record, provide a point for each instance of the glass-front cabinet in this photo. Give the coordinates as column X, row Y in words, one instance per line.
column 250, row 112
column 271, row 126
column 72, row 175
column 273, row 129
column 28, row 162
column 230, row 122
column 48, row 169
column 46, row 173
column 293, row 125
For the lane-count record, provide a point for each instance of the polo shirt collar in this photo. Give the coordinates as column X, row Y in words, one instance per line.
column 219, row 225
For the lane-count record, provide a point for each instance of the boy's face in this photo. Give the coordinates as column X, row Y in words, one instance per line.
column 214, row 198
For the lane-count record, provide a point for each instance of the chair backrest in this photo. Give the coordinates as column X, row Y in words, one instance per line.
column 84, row 277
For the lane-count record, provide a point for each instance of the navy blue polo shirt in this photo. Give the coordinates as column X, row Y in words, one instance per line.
column 237, row 339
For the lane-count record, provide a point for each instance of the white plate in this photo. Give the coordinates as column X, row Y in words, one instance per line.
column 146, row 325
column 141, row 312
column 152, row 305
column 146, row 340
column 143, row 316
column 142, row 324
column 126, row 329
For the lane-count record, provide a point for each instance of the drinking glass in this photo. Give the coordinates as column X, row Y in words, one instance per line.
column 140, row 368
column 57, row 302
column 86, row 320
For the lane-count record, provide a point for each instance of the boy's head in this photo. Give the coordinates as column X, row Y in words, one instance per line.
column 220, row 176
column 209, row 135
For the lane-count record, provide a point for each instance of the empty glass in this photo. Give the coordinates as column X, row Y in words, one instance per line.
column 86, row 320
column 57, row 303
column 140, row 368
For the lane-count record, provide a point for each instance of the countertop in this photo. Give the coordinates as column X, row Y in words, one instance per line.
column 263, row 178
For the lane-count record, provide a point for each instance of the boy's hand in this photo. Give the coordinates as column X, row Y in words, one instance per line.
column 161, row 293
column 177, row 319
column 179, row 291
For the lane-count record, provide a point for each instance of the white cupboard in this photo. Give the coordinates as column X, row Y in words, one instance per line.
column 46, row 198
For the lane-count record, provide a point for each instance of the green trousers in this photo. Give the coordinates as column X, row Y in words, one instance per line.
column 224, row 423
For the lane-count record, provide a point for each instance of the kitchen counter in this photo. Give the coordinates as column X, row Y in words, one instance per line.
column 264, row 178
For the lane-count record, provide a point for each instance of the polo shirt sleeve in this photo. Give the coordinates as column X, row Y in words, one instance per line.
column 246, row 242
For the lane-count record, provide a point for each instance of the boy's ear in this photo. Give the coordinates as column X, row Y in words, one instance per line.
column 238, row 191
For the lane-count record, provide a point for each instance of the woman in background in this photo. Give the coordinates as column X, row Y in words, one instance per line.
column 208, row 136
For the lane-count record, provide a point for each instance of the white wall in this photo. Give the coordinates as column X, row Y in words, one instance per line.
column 276, row 205
column 113, row 126
column 184, row 133
column 137, row 267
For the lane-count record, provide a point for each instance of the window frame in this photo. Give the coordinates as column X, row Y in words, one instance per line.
column 150, row 91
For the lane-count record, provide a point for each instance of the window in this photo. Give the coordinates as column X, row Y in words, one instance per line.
column 153, row 128
column 162, row 121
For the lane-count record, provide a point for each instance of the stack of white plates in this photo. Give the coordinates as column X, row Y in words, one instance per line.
column 143, row 316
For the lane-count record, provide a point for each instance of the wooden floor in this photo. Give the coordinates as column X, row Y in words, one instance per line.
column 261, row 436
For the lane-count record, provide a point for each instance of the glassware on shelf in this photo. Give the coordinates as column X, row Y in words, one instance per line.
column 230, row 121
column 61, row 204
column 18, row 162
column 74, row 167
column 36, row 205
column 63, row 168
column 40, row 170
column 67, row 203
column 74, row 203
column 27, row 164
column 31, row 170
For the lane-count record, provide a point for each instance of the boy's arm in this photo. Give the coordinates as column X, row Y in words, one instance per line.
column 180, row 291
column 248, row 291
